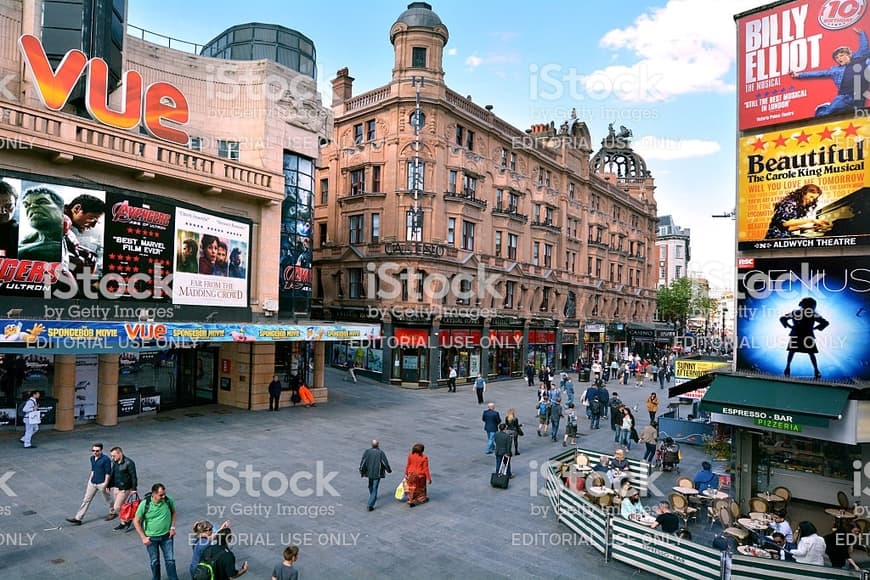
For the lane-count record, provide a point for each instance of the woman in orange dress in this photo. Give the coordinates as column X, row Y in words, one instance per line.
column 307, row 396
column 417, row 475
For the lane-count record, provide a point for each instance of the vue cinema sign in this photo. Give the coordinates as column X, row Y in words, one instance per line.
column 158, row 102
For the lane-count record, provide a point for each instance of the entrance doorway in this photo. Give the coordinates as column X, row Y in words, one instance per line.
column 197, row 382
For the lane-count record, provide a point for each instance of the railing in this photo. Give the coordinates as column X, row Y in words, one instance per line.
column 464, row 197
column 76, row 137
column 463, row 104
column 367, row 99
column 510, row 213
column 163, row 40
column 547, row 225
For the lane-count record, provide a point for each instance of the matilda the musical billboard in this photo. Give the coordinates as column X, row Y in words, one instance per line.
column 800, row 60
column 805, row 187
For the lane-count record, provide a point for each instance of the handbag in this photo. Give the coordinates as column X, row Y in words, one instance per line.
column 128, row 510
column 400, row 491
column 634, row 435
column 520, row 430
column 34, row 417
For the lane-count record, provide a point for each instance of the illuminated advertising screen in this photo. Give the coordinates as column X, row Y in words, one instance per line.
column 801, row 60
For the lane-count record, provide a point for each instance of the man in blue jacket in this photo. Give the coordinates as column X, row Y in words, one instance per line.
column 491, row 420
column 101, row 471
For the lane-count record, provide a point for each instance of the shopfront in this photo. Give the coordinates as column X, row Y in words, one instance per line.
column 410, row 355
column 593, row 342
column 614, row 337
column 542, row 348
column 506, row 347
column 802, row 436
column 461, row 348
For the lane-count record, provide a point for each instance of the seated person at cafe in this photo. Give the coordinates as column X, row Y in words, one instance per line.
column 631, row 508
column 778, row 524
column 840, row 544
column 667, row 520
column 705, row 479
column 603, row 465
column 619, row 462
column 783, row 545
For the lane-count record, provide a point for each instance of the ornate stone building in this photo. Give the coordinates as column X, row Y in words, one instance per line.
column 475, row 243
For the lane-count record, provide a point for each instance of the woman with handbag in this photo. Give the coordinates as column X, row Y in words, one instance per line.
column 514, row 428
column 417, row 475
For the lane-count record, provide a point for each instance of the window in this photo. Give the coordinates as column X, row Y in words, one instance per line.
column 678, row 271
column 469, row 186
column 513, row 163
column 376, row 228
column 512, row 246
column 418, row 57
column 370, row 130
column 548, row 216
column 416, row 174
column 356, row 283
column 451, row 231
column 679, row 252
column 536, row 250
column 419, row 283
column 451, row 181
column 324, row 191
column 598, row 267
column 357, row 181
column 195, row 144
column 570, row 191
column 548, row 255
column 504, row 157
column 498, row 236
column 403, row 277
column 358, row 134
column 509, row 289
column 414, row 225
column 468, row 235
column 321, row 234
column 228, row 149
column 460, row 135
column 537, row 213
column 514, row 204
column 469, row 141
column 464, row 291
column 355, row 223
column 662, row 273
column 595, row 300
column 589, row 265
column 376, row 178
column 612, row 241
column 663, row 252
column 540, row 174
column 545, row 301
column 499, row 199
column 547, row 177
column 612, row 272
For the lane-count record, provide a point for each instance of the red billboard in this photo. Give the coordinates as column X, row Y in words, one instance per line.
column 801, row 60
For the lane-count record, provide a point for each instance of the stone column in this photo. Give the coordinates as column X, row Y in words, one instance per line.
column 484, row 352
column 558, row 365
column 64, row 391
column 434, row 354
column 319, row 364
column 107, row 397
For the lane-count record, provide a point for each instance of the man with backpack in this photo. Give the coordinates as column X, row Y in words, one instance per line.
column 155, row 524
column 570, row 426
column 615, row 417
column 218, row 562
column 595, row 407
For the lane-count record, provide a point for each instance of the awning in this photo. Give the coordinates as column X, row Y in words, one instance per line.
column 773, row 400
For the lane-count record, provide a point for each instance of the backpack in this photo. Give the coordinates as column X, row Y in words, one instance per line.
column 615, row 403
column 205, row 568
column 572, row 418
column 595, row 406
column 555, row 411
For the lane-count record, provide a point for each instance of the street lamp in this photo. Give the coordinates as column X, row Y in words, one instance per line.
column 724, row 311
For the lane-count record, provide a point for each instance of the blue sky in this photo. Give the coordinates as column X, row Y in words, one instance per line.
column 665, row 69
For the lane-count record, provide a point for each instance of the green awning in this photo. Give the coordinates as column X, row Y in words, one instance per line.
column 773, row 400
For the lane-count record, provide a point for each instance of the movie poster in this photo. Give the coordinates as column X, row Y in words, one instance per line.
column 87, row 366
column 211, row 260
column 802, row 60
column 48, row 231
column 296, row 250
column 139, row 246
column 805, row 187
column 807, row 319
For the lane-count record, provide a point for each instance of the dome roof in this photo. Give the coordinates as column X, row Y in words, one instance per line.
column 419, row 14
column 616, row 156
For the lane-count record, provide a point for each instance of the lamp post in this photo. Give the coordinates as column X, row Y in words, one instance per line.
column 722, row 344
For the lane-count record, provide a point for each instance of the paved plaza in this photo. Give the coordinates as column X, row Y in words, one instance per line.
column 291, row 477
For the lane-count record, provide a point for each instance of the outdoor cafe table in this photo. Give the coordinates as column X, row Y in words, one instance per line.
column 771, row 497
column 840, row 514
column 713, row 494
column 753, row 525
column 686, row 490
column 753, row 551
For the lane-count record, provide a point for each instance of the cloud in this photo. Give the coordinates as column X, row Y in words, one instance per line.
column 474, row 61
column 666, row 149
column 451, row 52
column 688, row 46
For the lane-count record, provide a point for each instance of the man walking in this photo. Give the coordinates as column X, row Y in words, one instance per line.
column 101, row 470
column 615, row 419
column 124, row 481
column 351, row 370
column 530, row 373
column 480, row 389
column 502, row 448
column 155, row 524
column 274, row 393
column 555, row 418
column 451, row 380
column 491, row 420
column 32, row 419
column 375, row 466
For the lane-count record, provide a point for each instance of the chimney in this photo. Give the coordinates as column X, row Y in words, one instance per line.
column 342, row 87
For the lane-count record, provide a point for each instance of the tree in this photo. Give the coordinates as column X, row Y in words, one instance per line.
column 706, row 307
column 675, row 302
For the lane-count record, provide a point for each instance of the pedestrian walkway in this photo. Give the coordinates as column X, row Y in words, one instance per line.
column 291, row 477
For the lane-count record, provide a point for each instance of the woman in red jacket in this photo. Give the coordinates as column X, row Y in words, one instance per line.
column 417, row 475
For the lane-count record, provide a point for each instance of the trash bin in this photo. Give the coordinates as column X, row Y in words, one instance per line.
column 584, row 376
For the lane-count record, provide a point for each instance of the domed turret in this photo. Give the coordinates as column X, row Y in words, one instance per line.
column 419, row 14
column 418, row 37
column 617, row 157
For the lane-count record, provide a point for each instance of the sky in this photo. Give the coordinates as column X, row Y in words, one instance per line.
column 663, row 68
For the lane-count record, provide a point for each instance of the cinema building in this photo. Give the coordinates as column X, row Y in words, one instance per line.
column 132, row 162
column 476, row 244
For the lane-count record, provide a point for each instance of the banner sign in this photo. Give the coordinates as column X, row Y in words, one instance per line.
column 805, row 187
column 689, row 369
column 804, row 318
column 96, row 337
column 801, row 60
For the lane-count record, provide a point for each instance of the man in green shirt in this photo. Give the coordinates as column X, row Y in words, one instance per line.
column 155, row 524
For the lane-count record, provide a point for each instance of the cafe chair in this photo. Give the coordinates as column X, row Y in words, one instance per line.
column 682, row 508
column 582, row 460
column 713, row 511
column 758, row 504
column 728, row 529
column 605, row 500
column 843, row 501
column 685, row 482
column 734, row 507
column 783, row 492
column 864, row 525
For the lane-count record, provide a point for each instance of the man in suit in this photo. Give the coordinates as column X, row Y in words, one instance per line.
column 502, row 448
column 491, row 420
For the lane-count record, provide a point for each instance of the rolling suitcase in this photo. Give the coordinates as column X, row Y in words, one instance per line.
column 500, row 479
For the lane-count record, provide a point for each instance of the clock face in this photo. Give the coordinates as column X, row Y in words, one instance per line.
column 418, row 119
